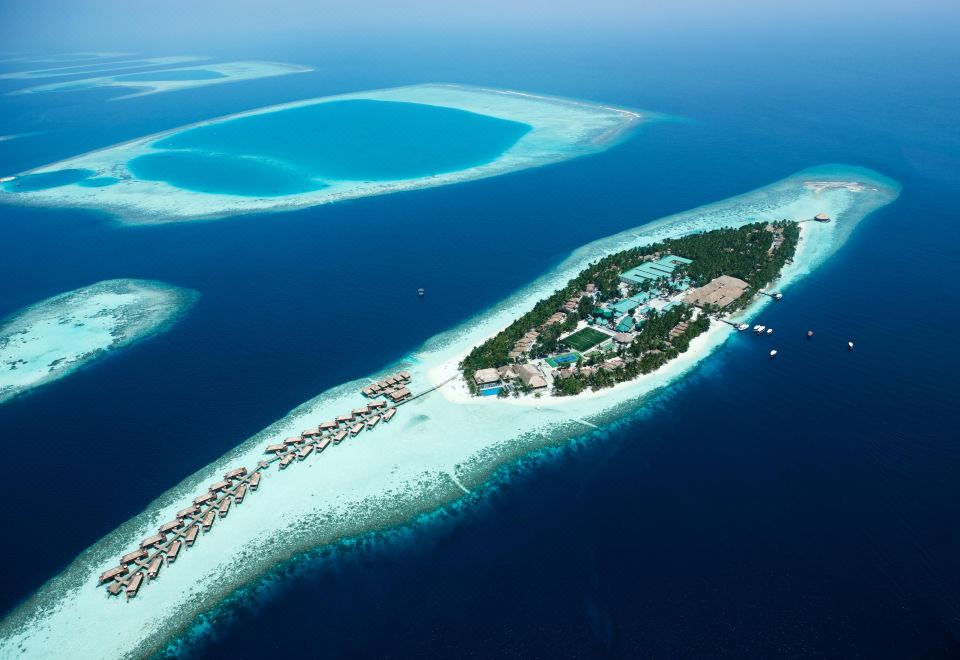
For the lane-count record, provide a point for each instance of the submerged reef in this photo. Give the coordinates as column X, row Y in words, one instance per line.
column 56, row 336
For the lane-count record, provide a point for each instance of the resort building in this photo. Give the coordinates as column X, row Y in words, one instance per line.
column 487, row 381
column 531, row 376
column 653, row 271
column 720, row 291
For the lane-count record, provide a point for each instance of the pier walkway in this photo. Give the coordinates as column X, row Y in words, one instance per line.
column 164, row 548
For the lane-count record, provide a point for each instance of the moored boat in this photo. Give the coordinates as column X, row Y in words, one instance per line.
column 773, row 353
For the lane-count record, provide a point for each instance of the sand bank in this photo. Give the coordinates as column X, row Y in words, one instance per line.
column 230, row 72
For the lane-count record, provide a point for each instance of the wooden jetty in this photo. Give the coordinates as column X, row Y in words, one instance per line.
column 173, row 537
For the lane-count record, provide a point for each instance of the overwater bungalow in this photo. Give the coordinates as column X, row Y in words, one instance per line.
column 115, row 588
column 134, row 585
column 154, row 569
column 273, row 449
column 171, row 526
column 360, row 411
column 387, row 416
column 220, row 485
column 191, row 535
column 391, row 380
column 224, row 508
column 373, row 421
column 236, row 473
column 173, row 551
column 405, row 375
column 328, row 426
column 151, row 541
column 203, row 499
column 292, row 440
column 399, row 395
column 323, row 444
column 131, row 557
column 116, row 571
column 208, row 520
column 254, row 480
column 304, row 452
column 339, row 436
column 311, row 432
column 344, row 419
column 188, row 512
column 367, row 391
column 285, row 461
column 376, row 405
column 240, row 493
column 356, row 428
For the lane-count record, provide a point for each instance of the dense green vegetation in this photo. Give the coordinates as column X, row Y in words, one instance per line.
column 652, row 349
column 743, row 252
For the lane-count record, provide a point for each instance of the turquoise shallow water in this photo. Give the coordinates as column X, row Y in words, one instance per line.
column 347, row 140
column 46, row 180
column 157, row 76
column 98, row 182
column 223, row 173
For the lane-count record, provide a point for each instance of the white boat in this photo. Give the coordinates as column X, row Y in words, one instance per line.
column 773, row 353
column 777, row 296
column 769, row 331
column 742, row 327
column 849, row 345
column 420, row 292
column 759, row 329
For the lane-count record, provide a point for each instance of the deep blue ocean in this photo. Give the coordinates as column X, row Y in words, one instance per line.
column 803, row 507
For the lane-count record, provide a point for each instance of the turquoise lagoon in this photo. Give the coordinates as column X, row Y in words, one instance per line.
column 330, row 149
column 294, row 150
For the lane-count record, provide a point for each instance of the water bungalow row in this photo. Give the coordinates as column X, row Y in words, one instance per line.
column 171, row 537
column 392, row 387
column 165, row 546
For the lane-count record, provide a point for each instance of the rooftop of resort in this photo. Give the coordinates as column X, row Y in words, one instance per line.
column 652, row 271
column 720, row 291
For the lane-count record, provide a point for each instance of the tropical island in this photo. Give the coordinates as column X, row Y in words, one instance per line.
column 631, row 312
column 441, row 444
